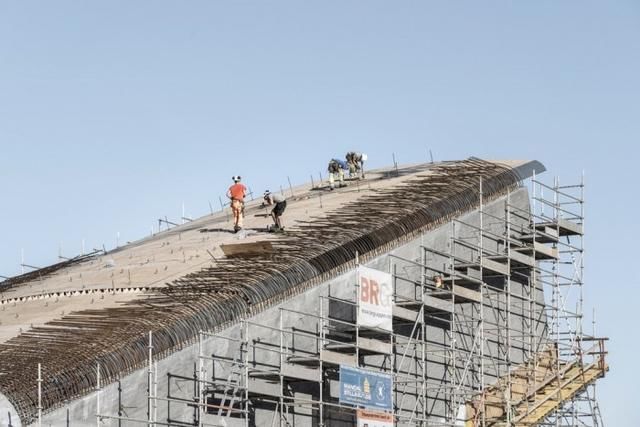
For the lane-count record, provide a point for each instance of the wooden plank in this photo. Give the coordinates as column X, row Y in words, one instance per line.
column 437, row 304
column 460, row 294
column 264, row 388
column 405, row 314
column 545, row 252
column 539, row 251
column 465, row 294
column 495, row 266
column 301, row 372
column 333, row 358
column 523, row 259
column 564, row 227
column 247, row 249
column 569, row 228
column 374, row 346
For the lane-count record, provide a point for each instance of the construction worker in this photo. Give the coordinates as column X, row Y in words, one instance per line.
column 356, row 163
column 336, row 169
column 437, row 280
column 237, row 193
column 280, row 205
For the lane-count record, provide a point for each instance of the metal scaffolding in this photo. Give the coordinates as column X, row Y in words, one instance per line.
column 487, row 331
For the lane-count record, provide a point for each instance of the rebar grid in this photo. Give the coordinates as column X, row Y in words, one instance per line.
column 70, row 348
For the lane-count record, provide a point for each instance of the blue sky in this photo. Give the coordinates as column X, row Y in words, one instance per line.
column 113, row 114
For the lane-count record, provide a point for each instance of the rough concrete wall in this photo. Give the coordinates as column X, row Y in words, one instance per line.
column 8, row 415
column 175, row 373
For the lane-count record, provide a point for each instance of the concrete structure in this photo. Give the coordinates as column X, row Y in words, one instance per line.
column 170, row 331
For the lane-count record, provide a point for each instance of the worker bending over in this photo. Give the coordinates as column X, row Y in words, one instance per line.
column 280, row 205
column 336, row 169
column 237, row 193
column 356, row 164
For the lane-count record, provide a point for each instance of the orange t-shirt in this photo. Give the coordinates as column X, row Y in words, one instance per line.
column 237, row 191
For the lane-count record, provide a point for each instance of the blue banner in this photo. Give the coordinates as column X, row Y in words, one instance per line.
column 366, row 388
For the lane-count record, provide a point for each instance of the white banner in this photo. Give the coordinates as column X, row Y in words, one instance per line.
column 375, row 302
column 374, row 419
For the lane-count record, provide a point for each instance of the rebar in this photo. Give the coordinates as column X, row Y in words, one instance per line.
column 234, row 288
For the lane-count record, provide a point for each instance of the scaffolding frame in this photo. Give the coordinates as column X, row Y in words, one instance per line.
column 501, row 292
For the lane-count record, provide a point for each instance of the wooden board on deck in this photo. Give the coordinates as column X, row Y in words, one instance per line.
column 247, row 249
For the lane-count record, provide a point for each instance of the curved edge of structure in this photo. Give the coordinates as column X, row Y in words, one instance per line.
column 528, row 169
column 202, row 303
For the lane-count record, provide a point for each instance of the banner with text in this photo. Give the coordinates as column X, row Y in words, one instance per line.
column 375, row 302
column 370, row 389
column 374, row 419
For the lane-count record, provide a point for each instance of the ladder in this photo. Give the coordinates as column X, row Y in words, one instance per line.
column 233, row 386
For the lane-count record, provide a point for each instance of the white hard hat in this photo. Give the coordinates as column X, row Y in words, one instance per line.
column 364, row 157
column 236, row 178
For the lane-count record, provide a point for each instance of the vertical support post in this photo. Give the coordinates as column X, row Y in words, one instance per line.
column 423, row 330
column 320, row 352
column 532, row 327
column 357, row 311
column 581, row 257
column 556, row 281
column 456, row 396
column 281, row 376
column 119, row 403
column 98, row 394
column 394, row 284
column 482, row 302
column 200, row 380
column 245, row 360
column 507, row 216
column 155, row 392
column 395, row 164
column 150, row 422
column 39, row 395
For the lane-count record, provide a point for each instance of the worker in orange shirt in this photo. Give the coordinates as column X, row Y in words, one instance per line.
column 236, row 193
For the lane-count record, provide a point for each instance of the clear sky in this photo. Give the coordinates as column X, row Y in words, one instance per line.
column 113, row 114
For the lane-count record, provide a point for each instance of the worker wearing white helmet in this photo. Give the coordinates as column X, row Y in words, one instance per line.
column 237, row 193
column 356, row 164
column 280, row 205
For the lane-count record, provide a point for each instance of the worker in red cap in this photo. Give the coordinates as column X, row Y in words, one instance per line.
column 237, row 193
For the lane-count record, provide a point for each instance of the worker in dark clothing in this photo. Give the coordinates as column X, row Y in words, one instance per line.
column 336, row 169
column 280, row 205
